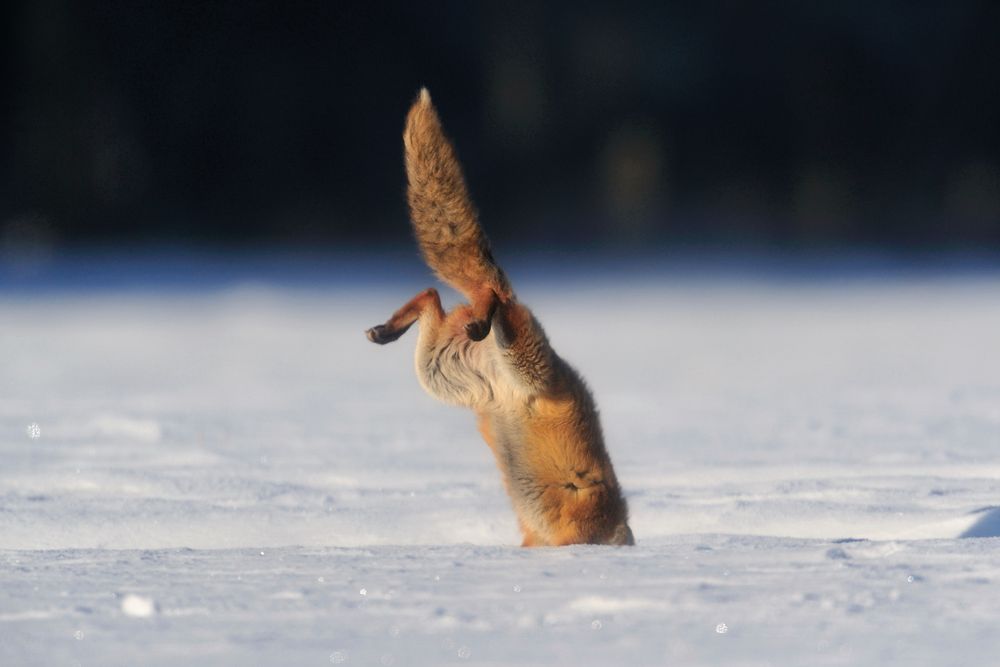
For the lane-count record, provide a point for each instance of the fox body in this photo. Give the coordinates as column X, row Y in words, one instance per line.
column 491, row 355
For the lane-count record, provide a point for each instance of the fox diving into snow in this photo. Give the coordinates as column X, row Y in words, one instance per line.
column 491, row 355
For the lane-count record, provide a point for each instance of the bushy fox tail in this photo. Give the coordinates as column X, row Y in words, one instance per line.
column 444, row 218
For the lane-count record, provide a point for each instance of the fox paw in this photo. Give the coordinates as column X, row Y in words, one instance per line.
column 477, row 329
column 382, row 335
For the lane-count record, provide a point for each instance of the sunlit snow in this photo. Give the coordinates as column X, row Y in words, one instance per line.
column 235, row 475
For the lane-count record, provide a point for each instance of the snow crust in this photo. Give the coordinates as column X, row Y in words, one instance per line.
column 234, row 475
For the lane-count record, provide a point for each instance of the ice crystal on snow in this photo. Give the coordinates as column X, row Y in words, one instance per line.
column 722, row 628
column 34, row 431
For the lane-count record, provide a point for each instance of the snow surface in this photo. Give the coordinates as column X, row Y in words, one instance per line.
column 232, row 475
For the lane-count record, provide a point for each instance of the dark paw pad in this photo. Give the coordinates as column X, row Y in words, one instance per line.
column 477, row 329
column 383, row 334
column 375, row 334
column 379, row 334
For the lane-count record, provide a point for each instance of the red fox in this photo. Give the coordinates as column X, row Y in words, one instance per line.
column 491, row 355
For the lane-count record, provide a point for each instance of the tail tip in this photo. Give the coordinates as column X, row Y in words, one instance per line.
column 425, row 95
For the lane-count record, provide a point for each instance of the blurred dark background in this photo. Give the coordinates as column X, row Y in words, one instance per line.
column 791, row 125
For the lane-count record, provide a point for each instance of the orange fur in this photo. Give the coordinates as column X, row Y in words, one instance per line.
column 491, row 355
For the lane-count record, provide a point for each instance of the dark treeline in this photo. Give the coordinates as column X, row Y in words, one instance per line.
column 763, row 123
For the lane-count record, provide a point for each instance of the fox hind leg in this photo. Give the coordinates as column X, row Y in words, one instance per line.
column 427, row 302
column 484, row 305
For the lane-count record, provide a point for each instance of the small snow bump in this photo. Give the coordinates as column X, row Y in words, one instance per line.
column 287, row 595
column 611, row 605
column 138, row 606
column 721, row 628
column 338, row 657
column 837, row 553
column 34, row 431
column 526, row 620
column 127, row 428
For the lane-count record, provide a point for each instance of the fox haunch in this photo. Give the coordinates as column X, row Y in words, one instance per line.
column 491, row 355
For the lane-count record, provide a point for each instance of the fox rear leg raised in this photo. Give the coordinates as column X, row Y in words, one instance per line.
column 427, row 303
column 491, row 355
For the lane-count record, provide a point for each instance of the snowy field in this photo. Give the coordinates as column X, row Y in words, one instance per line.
column 223, row 471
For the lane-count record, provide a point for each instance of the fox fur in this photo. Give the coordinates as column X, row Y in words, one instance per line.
column 491, row 355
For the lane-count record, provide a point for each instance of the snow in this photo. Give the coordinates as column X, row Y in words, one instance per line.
column 138, row 606
column 226, row 472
